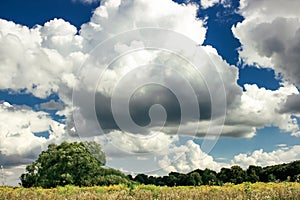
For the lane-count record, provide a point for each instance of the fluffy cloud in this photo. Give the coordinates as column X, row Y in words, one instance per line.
column 61, row 36
column 262, row 158
column 18, row 144
column 260, row 107
column 208, row 3
column 126, row 15
column 169, row 76
column 11, row 174
column 56, row 52
column 270, row 36
column 154, row 142
column 51, row 105
column 40, row 59
column 255, row 108
column 188, row 157
column 291, row 105
column 45, row 60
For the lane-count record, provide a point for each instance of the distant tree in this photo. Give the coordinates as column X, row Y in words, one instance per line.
column 165, row 180
column 209, row 177
column 296, row 178
column 141, row 178
column 195, row 179
column 174, row 179
column 183, row 179
column 293, row 171
column 253, row 173
column 130, row 177
column 278, row 171
column 160, row 181
column 69, row 163
column 237, row 175
column 271, row 178
column 171, row 180
column 234, row 175
column 152, row 180
column 224, row 175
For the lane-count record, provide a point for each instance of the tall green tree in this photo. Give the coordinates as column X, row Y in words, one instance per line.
column 69, row 163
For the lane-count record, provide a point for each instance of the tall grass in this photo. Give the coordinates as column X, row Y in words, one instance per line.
column 258, row 191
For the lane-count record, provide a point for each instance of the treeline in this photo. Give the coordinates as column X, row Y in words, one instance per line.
column 82, row 164
column 276, row 173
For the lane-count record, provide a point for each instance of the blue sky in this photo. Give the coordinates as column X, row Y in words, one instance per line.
column 262, row 99
column 31, row 12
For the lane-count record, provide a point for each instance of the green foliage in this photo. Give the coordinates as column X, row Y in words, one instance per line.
column 209, row 177
column 81, row 164
column 224, row 175
column 71, row 164
column 271, row 178
column 235, row 175
column 195, row 179
column 141, row 178
column 111, row 179
column 253, row 173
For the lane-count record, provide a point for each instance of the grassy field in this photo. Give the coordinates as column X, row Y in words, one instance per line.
column 228, row 191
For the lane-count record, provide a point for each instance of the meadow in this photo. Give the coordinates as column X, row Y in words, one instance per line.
column 283, row 190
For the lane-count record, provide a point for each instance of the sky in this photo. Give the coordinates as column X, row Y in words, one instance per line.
column 162, row 85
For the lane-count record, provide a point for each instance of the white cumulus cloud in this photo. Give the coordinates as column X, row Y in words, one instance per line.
column 187, row 157
column 262, row 158
column 208, row 3
column 270, row 35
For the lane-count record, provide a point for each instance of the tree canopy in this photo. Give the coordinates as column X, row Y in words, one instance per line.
column 71, row 163
column 235, row 174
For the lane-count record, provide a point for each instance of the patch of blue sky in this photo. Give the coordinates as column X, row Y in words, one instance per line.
column 262, row 77
column 44, row 134
column 32, row 12
column 219, row 35
column 22, row 98
column 267, row 138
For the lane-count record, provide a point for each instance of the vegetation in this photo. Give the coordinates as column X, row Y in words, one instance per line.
column 69, row 167
column 81, row 164
column 278, row 173
column 74, row 163
column 261, row 191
